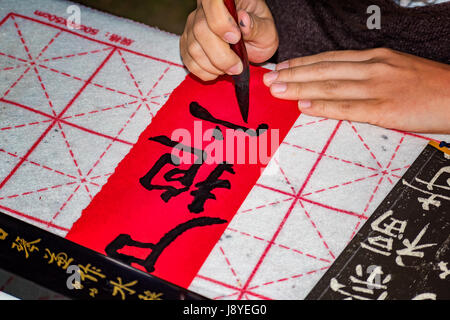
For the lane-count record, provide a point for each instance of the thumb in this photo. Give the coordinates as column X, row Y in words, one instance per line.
column 260, row 33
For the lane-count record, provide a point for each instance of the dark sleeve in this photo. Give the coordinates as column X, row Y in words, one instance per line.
column 308, row 27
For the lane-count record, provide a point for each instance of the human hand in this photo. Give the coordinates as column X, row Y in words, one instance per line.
column 378, row 86
column 210, row 29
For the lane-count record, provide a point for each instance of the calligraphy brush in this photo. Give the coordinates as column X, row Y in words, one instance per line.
column 241, row 81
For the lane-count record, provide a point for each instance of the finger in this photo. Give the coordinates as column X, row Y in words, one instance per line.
column 260, row 35
column 320, row 90
column 345, row 55
column 187, row 29
column 220, row 21
column 195, row 68
column 218, row 51
column 255, row 29
column 327, row 70
column 199, row 56
column 352, row 110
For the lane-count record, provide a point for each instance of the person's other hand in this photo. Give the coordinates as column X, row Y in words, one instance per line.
column 210, row 29
column 378, row 86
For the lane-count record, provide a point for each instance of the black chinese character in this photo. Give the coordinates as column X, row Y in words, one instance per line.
column 186, row 176
column 157, row 249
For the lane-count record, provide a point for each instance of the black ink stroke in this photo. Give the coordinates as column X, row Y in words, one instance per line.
column 199, row 112
column 148, row 263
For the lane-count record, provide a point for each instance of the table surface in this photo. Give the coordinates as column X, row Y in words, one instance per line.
column 67, row 118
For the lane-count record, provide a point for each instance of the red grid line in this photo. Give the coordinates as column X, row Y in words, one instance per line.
column 5, row 18
column 395, row 152
column 373, row 195
column 114, row 139
column 290, row 278
column 124, row 106
column 340, row 185
column 151, row 90
column 229, row 286
column 279, row 245
column 30, row 58
column 13, row 57
column 161, row 95
column 70, row 151
column 416, row 135
column 317, row 231
column 329, row 156
column 37, row 191
column 405, row 167
column 27, row 154
column 82, row 80
column 16, row 82
column 117, row 135
column 312, row 202
column 32, row 218
column 225, row 296
column 130, row 73
column 25, row 125
column 12, row 68
column 309, row 123
column 63, row 205
column 101, row 176
column 133, row 78
column 285, row 177
column 266, row 205
column 238, row 281
column 351, row 213
column 275, row 190
column 367, row 206
column 39, row 165
column 45, row 91
column 48, row 44
column 75, row 54
column 365, row 144
column 157, row 82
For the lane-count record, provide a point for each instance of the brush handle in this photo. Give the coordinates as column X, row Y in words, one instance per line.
column 238, row 48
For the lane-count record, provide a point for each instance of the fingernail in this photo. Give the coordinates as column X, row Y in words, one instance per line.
column 283, row 65
column 231, row 37
column 246, row 21
column 303, row 104
column 279, row 87
column 236, row 69
column 270, row 77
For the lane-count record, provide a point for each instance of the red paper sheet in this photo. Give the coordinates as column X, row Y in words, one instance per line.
column 170, row 231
